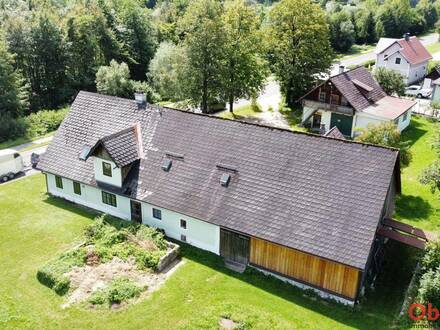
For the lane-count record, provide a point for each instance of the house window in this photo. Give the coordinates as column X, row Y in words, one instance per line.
column 77, row 188
column 397, row 60
column 334, row 99
column 183, row 238
column 59, row 182
column 108, row 198
column 405, row 116
column 157, row 214
column 321, row 96
column 107, row 169
column 182, row 224
column 344, row 101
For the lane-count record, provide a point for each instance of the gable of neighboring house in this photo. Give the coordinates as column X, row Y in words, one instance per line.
column 408, row 56
column 366, row 103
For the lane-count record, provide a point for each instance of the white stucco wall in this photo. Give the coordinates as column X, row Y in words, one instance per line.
column 436, row 94
column 411, row 73
column 198, row 233
column 417, row 72
column 115, row 179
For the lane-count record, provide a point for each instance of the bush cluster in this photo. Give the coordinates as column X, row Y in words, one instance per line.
column 429, row 288
column 34, row 125
column 120, row 289
column 52, row 274
column 109, row 241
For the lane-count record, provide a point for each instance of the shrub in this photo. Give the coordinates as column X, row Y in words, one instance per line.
column 120, row 289
column 11, row 128
column 34, row 125
column 429, row 290
column 52, row 274
column 149, row 233
column 431, row 258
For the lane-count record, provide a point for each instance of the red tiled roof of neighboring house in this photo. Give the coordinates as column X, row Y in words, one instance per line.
column 414, row 51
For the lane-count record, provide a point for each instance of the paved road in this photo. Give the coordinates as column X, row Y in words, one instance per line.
column 359, row 59
column 28, row 170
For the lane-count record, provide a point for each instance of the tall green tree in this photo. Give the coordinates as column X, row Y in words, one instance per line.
column 91, row 44
column 138, row 37
column 342, row 33
column 245, row 68
column 204, row 40
column 13, row 93
column 165, row 70
column 298, row 39
column 41, row 57
column 114, row 80
column 366, row 27
column 394, row 18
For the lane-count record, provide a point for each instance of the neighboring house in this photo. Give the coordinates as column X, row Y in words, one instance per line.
column 434, row 74
column 303, row 207
column 407, row 56
column 351, row 101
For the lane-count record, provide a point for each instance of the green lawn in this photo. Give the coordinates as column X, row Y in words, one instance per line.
column 417, row 205
column 35, row 228
column 356, row 50
column 434, row 48
column 241, row 113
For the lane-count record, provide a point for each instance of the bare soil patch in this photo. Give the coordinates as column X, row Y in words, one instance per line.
column 91, row 277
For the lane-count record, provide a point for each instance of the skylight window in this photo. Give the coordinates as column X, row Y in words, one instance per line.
column 166, row 164
column 84, row 153
column 225, row 179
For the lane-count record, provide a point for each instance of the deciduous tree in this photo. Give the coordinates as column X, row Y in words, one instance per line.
column 205, row 45
column 391, row 81
column 245, row 69
column 298, row 39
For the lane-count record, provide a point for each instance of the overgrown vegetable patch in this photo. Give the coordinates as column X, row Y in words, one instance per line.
column 111, row 249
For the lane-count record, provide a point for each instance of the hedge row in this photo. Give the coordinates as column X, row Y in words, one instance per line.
column 34, row 125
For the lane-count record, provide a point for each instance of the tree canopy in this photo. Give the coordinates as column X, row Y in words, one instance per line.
column 298, row 41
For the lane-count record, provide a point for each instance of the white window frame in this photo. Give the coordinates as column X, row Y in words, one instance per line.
column 322, row 94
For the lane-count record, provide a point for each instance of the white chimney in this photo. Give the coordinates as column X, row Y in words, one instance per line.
column 141, row 99
column 341, row 69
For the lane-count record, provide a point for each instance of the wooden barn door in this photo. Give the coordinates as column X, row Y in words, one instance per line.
column 234, row 247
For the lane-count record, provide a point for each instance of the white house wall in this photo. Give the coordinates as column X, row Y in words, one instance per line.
column 115, row 179
column 198, row 233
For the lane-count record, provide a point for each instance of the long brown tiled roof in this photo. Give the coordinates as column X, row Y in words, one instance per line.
column 319, row 195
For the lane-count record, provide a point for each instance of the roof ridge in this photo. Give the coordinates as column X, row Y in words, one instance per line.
column 255, row 124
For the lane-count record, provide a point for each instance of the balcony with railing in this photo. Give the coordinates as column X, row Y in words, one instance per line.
column 315, row 105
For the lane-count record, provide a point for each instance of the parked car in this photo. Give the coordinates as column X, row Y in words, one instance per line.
column 11, row 163
column 418, row 91
column 35, row 158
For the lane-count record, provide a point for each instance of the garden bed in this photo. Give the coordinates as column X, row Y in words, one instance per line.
column 117, row 262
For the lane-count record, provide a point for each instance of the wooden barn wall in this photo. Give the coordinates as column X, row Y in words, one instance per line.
column 331, row 276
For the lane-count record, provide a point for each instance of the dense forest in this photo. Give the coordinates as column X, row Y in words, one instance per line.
column 202, row 51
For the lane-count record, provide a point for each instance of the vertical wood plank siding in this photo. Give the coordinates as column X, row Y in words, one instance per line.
column 331, row 276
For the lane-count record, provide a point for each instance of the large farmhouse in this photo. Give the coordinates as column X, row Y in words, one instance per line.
column 306, row 208
column 350, row 101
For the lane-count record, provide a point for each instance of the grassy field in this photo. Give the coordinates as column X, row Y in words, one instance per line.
column 241, row 113
column 433, row 48
column 35, row 228
column 417, row 205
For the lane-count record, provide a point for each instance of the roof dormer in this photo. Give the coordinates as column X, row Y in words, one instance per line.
column 113, row 155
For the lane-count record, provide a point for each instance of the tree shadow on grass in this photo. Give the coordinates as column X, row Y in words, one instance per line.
column 413, row 133
column 413, row 208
